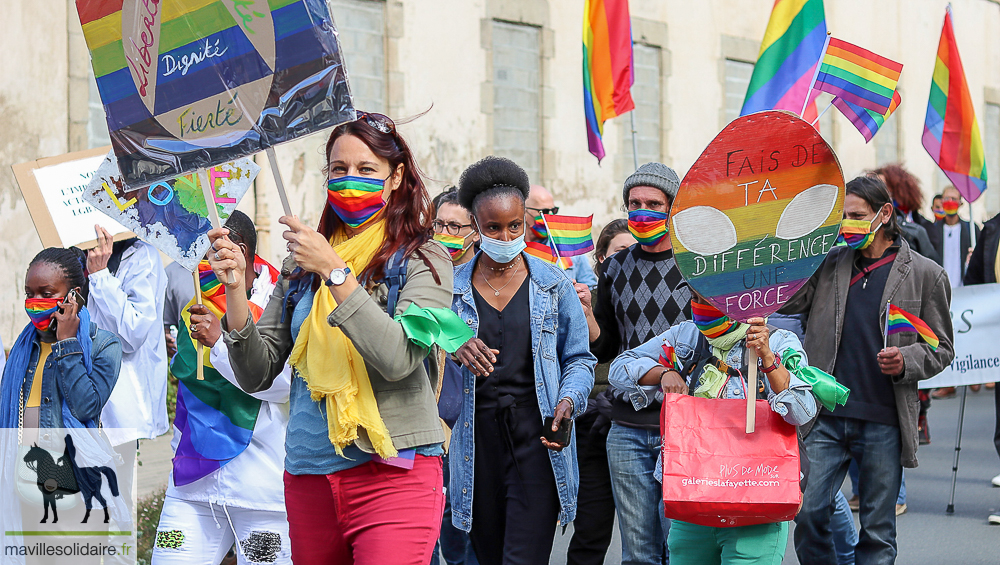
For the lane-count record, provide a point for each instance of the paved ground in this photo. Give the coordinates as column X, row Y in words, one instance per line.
column 154, row 464
column 926, row 535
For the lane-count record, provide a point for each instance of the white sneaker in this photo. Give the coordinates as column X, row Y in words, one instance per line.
column 994, row 519
column 996, row 481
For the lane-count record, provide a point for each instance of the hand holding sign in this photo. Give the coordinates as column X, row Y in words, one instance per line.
column 756, row 215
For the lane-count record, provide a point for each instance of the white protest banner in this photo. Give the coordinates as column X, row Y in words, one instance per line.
column 53, row 190
column 975, row 315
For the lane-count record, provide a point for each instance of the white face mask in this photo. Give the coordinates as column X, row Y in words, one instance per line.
column 502, row 251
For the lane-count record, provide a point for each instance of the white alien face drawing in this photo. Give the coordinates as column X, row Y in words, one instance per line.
column 708, row 231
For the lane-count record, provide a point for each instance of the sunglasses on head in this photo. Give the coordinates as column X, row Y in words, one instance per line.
column 546, row 211
column 380, row 122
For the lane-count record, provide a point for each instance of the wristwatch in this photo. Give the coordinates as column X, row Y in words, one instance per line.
column 338, row 276
column 774, row 365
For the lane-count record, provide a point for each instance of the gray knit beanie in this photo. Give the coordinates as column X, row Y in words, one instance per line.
column 656, row 175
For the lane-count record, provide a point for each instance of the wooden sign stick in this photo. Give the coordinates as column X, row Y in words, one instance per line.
column 273, row 162
column 751, row 390
column 213, row 214
column 200, row 364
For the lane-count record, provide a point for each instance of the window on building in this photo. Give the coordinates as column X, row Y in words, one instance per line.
column 361, row 26
column 992, row 147
column 646, row 95
column 738, row 75
column 886, row 141
column 517, row 61
column 97, row 122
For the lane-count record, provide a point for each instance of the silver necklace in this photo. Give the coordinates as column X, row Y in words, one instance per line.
column 496, row 291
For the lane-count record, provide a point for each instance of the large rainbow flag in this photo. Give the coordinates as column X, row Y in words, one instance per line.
column 792, row 47
column 951, row 133
column 188, row 84
column 215, row 418
column 857, row 75
column 607, row 66
column 864, row 119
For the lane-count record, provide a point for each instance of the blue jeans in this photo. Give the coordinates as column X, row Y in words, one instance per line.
column 454, row 543
column 852, row 471
column 830, row 445
column 632, row 455
column 845, row 535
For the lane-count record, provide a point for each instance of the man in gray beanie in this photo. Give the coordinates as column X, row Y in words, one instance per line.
column 640, row 295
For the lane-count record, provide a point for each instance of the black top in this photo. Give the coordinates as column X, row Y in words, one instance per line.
column 514, row 372
column 639, row 296
column 872, row 396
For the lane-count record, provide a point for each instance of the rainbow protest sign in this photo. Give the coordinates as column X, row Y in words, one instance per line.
column 190, row 84
column 171, row 214
column 757, row 213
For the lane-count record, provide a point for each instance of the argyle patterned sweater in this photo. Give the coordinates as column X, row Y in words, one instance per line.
column 639, row 296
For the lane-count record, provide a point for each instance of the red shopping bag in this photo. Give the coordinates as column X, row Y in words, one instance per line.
column 716, row 474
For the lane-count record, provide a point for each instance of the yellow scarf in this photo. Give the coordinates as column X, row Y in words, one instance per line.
column 332, row 367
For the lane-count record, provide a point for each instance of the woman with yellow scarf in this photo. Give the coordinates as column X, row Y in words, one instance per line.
column 364, row 443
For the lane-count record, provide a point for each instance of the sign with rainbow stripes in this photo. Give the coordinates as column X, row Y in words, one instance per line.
column 171, row 214
column 757, row 213
column 190, row 84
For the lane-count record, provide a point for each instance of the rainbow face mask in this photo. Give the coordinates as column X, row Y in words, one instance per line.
column 710, row 320
column 355, row 200
column 950, row 207
column 40, row 311
column 938, row 214
column 858, row 234
column 649, row 227
column 454, row 243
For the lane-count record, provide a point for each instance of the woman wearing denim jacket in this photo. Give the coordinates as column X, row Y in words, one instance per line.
column 61, row 369
column 513, row 482
column 47, row 379
column 655, row 367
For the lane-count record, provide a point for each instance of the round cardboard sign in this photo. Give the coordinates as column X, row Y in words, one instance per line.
column 757, row 213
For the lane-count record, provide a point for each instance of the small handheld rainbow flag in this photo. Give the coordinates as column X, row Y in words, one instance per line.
column 570, row 234
column 951, row 133
column 542, row 251
column 858, row 75
column 864, row 119
column 898, row 320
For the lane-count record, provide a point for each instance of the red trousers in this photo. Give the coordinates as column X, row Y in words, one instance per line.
column 373, row 514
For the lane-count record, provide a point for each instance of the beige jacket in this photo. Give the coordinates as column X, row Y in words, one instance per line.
column 915, row 284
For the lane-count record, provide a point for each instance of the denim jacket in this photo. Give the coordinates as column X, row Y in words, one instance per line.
column 796, row 404
column 564, row 367
column 65, row 375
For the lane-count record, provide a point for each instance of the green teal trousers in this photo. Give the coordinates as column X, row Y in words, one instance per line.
column 762, row 544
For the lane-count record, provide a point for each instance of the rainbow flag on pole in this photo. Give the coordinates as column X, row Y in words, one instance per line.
column 857, row 75
column 542, row 251
column 899, row 320
column 791, row 50
column 570, row 234
column 864, row 119
column 951, row 134
column 607, row 66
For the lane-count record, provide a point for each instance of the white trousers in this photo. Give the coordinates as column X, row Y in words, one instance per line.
column 199, row 533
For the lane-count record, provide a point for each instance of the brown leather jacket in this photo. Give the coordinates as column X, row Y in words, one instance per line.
column 915, row 284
